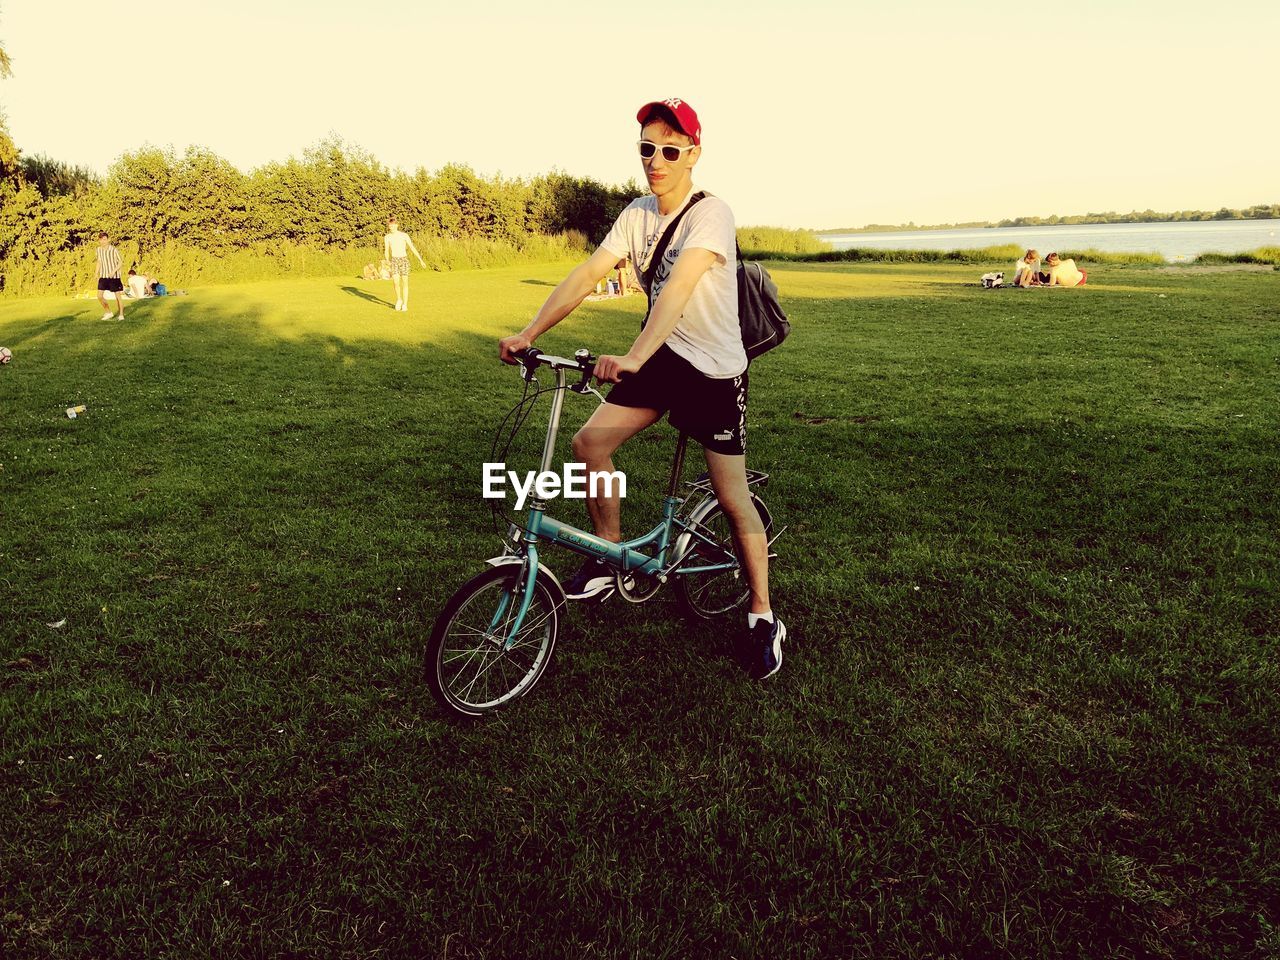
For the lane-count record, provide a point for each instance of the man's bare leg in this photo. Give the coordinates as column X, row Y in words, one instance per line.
column 404, row 282
column 762, row 646
column 120, row 306
column 607, row 429
column 729, row 481
column 102, row 299
column 395, row 282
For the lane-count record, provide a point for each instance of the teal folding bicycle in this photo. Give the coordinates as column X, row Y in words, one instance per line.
column 494, row 638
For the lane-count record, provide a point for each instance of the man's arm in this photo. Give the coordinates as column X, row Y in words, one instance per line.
column 409, row 240
column 692, row 263
column 564, row 299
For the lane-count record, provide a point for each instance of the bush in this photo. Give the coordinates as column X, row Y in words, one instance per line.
column 1260, row 255
column 759, row 243
column 1007, row 253
column 999, row 254
column 72, row 271
column 195, row 218
column 1101, row 256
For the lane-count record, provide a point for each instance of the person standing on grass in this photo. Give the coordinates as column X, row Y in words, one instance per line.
column 109, row 277
column 688, row 359
column 396, row 246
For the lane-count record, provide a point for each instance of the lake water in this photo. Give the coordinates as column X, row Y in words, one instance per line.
column 1173, row 241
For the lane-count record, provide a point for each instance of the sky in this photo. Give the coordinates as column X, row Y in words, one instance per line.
column 815, row 114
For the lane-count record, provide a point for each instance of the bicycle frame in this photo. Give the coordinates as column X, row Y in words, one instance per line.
column 628, row 556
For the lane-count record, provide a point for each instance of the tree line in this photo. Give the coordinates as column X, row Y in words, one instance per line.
column 335, row 198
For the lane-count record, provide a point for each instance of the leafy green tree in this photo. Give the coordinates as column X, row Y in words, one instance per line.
column 10, row 157
column 53, row 178
column 210, row 205
column 335, row 195
column 138, row 200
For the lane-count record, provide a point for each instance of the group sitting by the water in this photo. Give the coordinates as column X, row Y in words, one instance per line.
column 1061, row 273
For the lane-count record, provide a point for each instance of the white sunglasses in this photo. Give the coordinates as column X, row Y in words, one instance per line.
column 670, row 152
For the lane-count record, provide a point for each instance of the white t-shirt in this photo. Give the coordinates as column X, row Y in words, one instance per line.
column 1065, row 274
column 707, row 333
column 137, row 286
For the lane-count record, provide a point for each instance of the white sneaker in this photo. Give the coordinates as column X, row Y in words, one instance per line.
column 398, row 305
column 108, row 315
column 404, row 307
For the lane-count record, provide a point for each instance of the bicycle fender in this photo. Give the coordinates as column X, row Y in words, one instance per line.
column 556, row 589
column 710, row 503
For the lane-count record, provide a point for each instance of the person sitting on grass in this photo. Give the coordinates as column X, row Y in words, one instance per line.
column 1064, row 273
column 137, row 286
column 1026, row 272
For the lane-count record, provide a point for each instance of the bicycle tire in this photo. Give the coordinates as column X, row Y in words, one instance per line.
column 705, row 596
column 465, row 647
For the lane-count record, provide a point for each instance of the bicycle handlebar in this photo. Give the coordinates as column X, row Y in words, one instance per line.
column 532, row 357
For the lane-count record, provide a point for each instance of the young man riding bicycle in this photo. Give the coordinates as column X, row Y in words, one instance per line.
column 688, row 359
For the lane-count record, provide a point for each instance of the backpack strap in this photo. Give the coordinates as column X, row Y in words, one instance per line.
column 652, row 267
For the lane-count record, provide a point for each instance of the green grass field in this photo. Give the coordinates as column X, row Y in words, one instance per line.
column 1028, row 708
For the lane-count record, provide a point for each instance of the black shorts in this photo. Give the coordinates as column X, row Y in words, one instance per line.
column 713, row 412
column 111, row 284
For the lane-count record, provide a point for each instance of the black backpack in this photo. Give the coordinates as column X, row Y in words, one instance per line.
column 760, row 316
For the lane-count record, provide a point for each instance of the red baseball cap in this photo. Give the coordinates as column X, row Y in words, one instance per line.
column 686, row 118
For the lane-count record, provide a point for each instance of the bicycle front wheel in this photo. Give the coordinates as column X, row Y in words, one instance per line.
column 474, row 662
column 707, row 595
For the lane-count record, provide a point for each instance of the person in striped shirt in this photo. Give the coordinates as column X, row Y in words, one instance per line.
column 109, row 277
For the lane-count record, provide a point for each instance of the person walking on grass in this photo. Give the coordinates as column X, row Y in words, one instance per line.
column 109, row 277
column 687, row 361
column 396, row 246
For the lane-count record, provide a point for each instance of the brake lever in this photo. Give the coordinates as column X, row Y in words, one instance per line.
column 529, row 363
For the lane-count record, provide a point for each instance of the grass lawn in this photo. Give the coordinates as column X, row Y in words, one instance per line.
column 1028, row 708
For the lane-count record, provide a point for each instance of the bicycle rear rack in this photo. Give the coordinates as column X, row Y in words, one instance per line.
column 703, row 480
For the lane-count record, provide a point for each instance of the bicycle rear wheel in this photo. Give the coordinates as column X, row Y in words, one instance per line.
column 474, row 664
column 707, row 595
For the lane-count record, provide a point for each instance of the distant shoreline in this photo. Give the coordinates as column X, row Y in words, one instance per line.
column 1257, row 212
column 1165, row 241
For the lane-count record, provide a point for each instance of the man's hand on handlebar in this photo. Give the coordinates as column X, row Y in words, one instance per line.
column 610, row 369
column 508, row 347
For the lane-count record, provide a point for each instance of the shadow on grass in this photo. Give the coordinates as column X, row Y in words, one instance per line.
column 539, row 283
column 1025, row 674
column 366, row 295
